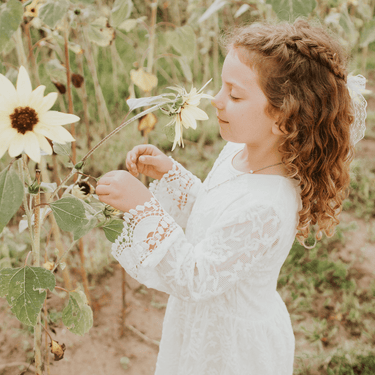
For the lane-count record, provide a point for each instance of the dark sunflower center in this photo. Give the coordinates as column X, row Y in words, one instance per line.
column 24, row 119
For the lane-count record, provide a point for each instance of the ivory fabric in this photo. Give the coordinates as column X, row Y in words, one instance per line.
column 224, row 315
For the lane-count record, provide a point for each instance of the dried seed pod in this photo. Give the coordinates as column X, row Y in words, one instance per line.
column 57, row 349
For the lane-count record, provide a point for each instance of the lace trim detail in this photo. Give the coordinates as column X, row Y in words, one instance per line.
column 144, row 239
column 177, row 182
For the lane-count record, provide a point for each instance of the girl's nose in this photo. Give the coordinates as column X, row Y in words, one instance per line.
column 216, row 103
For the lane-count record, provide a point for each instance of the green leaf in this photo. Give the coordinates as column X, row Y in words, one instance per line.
column 81, row 231
column 77, row 315
column 10, row 19
column 56, row 71
column 53, row 11
column 11, row 194
column 69, row 213
column 291, row 9
column 99, row 33
column 5, row 275
column 26, row 291
column 113, row 229
column 62, row 149
column 170, row 132
column 121, row 11
column 183, row 40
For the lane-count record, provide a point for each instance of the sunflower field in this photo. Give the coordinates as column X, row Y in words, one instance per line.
column 84, row 81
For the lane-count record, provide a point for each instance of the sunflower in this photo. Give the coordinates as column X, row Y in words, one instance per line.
column 187, row 112
column 26, row 121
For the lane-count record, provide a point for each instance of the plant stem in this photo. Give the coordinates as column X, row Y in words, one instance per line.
column 59, row 287
column 86, row 115
column 64, row 254
column 69, row 85
column 104, row 116
column 27, row 257
column 31, row 56
column 115, row 131
column 21, row 55
column 151, row 41
column 36, row 258
column 83, row 270
column 123, row 287
column 55, row 229
column 71, row 173
column 46, row 358
column 25, row 205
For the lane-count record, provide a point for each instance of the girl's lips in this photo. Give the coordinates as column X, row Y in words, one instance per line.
column 220, row 120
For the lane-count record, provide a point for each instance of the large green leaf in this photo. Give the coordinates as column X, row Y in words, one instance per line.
column 10, row 19
column 69, row 213
column 5, row 275
column 77, row 315
column 11, row 194
column 25, row 291
column 53, row 11
column 291, row 9
column 121, row 11
column 113, row 229
column 183, row 40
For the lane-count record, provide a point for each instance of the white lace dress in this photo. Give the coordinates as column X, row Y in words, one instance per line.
column 224, row 315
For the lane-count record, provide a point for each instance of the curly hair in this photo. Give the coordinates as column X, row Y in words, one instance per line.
column 302, row 71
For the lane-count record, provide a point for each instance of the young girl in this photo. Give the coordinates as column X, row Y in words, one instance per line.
column 285, row 110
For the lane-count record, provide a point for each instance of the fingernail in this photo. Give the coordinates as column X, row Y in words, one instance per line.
column 141, row 158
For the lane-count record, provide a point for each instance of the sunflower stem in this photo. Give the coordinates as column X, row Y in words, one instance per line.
column 71, row 173
column 115, row 131
column 25, row 205
column 36, row 259
column 69, row 86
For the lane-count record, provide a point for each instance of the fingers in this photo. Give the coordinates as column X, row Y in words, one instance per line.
column 102, row 190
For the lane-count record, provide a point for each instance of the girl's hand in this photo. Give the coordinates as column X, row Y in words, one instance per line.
column 148, row 160
column 121, row 190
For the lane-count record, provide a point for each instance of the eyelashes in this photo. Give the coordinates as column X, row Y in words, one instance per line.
column 233, row 98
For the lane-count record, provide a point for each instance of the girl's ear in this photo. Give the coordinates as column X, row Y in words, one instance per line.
column 277, row 129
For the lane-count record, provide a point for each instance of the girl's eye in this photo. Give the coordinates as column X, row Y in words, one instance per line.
column 233, row 98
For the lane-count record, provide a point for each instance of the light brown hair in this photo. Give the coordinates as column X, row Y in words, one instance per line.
column 302, row 71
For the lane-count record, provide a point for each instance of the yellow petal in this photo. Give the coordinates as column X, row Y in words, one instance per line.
column 188, row 119
column 5, row 120
column 197, row 112
column 36, row 97
column 43, row 144
column 17, row 145
column 52, row 118
column 32, row 148
column 6, row 137
column 24, row 87
column 47, row 102
column 7, row 91
column 54, row 133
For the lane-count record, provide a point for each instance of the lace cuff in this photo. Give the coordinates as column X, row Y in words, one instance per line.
column 144, row 230
column 177, row 191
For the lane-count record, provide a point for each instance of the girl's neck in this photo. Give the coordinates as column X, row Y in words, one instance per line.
column 254, row 158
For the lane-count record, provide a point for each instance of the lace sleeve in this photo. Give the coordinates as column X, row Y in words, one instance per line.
column 177, row 191
column 154, row 250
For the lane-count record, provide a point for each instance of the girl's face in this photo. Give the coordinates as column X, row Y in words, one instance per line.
column 241, row 104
